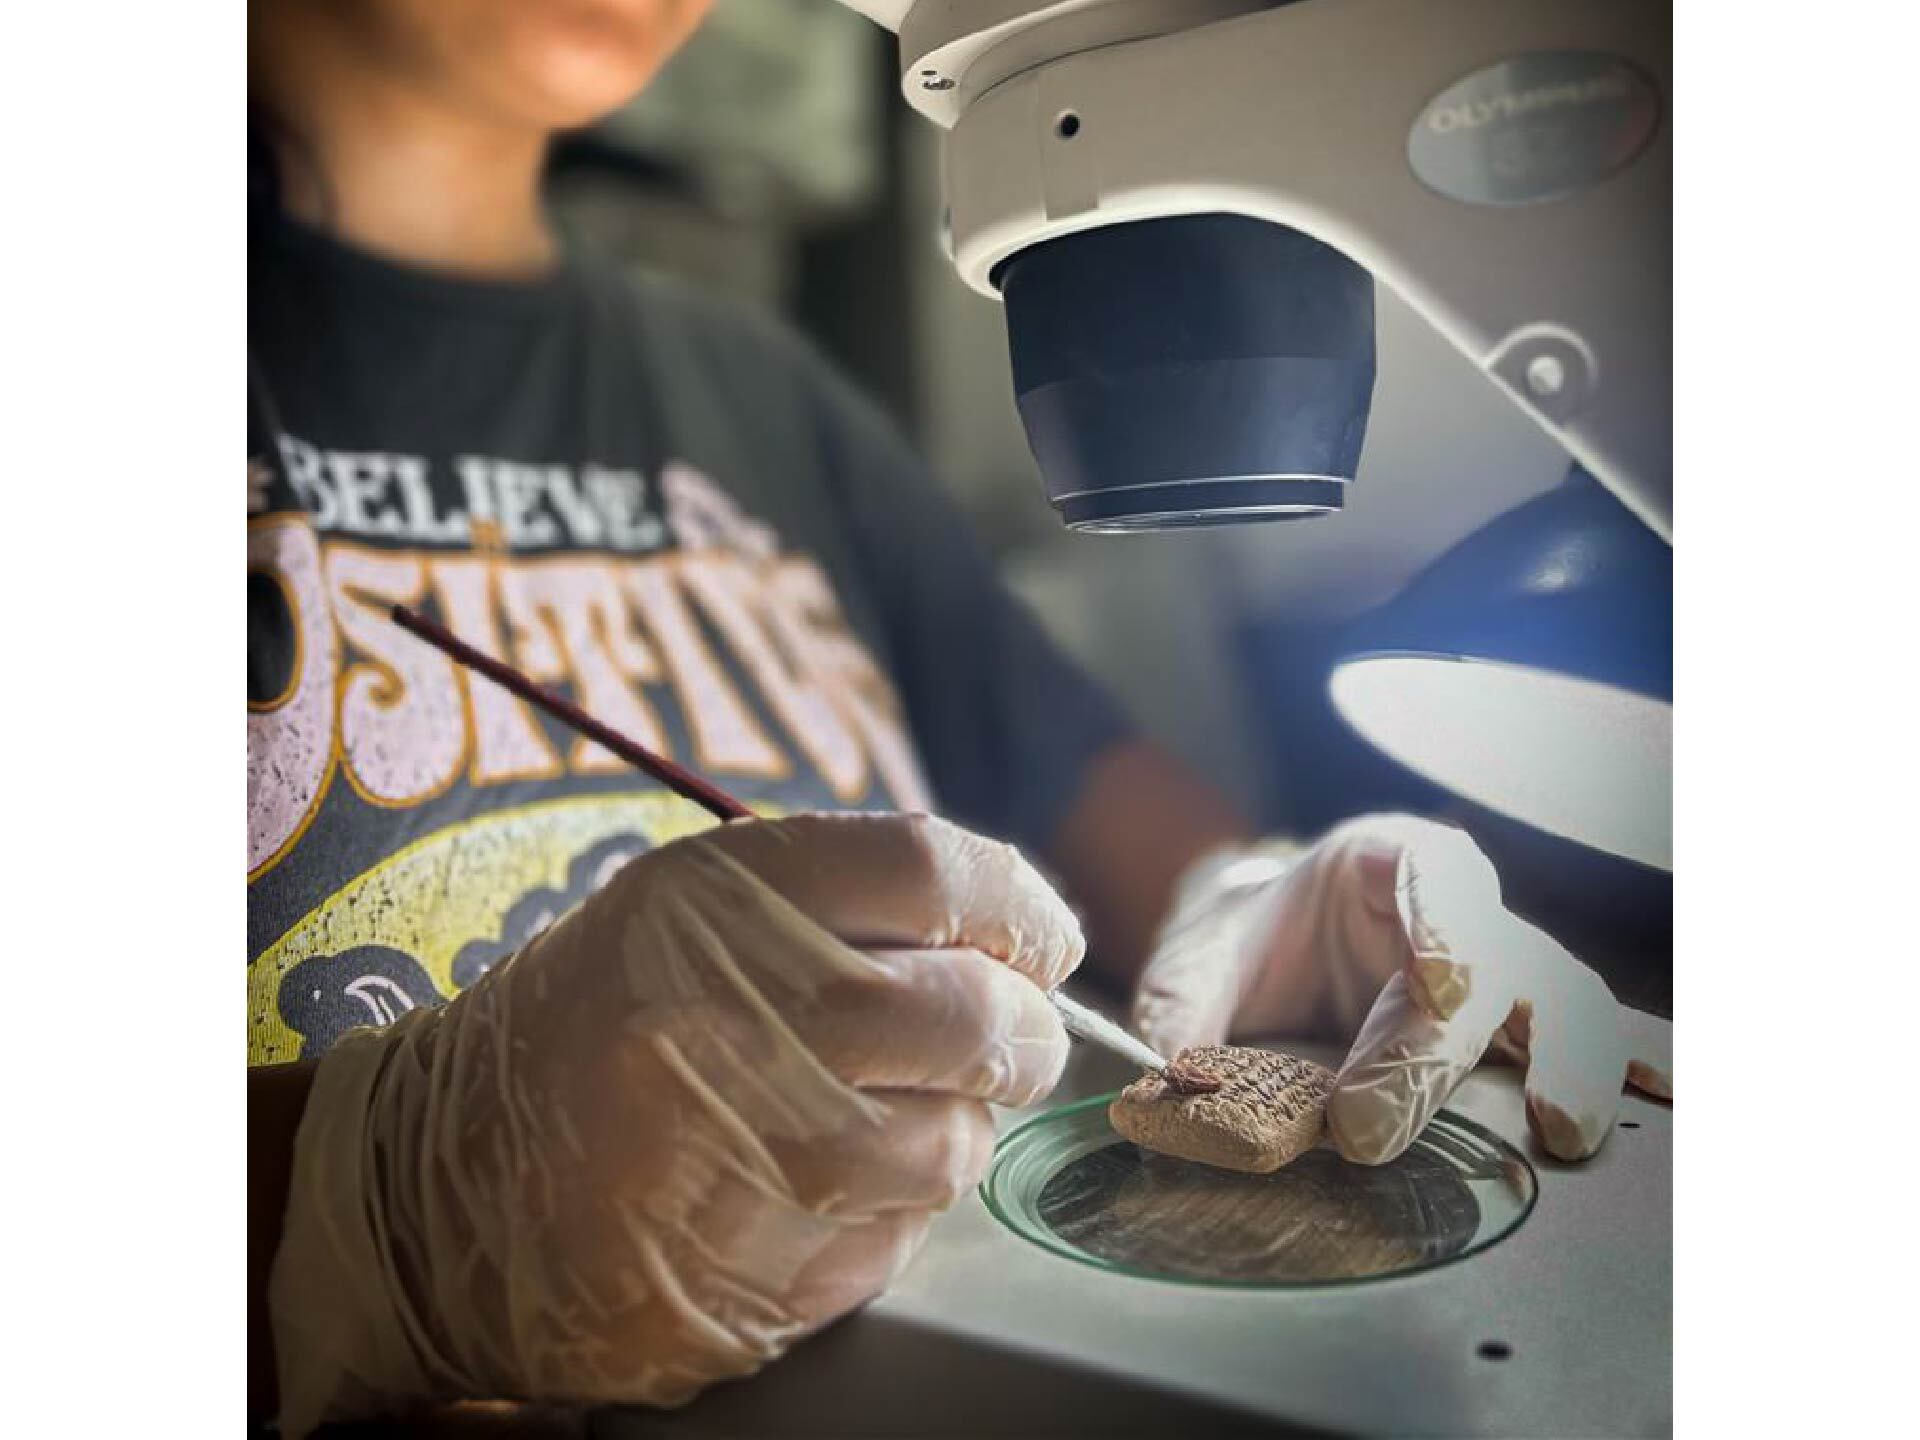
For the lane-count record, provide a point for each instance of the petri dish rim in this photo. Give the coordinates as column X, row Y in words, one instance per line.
column 1037, row 1235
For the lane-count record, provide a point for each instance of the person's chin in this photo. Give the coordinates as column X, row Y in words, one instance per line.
column 577, row 85
column 593, row 56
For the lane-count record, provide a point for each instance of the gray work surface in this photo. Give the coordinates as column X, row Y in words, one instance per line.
column 987, row 1334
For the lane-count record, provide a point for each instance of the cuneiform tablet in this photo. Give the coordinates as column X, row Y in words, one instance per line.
column 1268, row 1109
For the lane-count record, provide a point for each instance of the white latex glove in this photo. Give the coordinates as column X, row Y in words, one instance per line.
column 687, row 1125
column 1393, row 926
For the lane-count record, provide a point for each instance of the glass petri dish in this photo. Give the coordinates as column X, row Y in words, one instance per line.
column 1068, row 1183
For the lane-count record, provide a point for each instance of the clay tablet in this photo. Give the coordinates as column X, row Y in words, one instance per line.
column 1269, row 1108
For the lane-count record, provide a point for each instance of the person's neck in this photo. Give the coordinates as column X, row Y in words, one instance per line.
column 392, row 172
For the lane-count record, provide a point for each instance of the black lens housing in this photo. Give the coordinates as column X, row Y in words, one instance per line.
column 1193, row 370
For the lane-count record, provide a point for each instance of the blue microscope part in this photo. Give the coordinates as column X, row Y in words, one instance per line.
column 1569, row 581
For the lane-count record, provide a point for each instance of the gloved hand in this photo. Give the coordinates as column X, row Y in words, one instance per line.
column 1394, row 926
column 710, row 1109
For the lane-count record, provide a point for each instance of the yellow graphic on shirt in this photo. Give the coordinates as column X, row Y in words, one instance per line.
column 419, row 910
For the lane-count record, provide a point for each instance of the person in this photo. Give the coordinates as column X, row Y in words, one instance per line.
column 555, row 1091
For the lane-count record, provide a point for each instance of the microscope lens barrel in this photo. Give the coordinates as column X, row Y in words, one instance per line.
column 1196, row 370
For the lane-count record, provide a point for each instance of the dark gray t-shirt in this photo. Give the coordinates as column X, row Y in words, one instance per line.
column 666, row 508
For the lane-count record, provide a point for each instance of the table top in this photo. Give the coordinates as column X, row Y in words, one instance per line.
column 1565, row 1327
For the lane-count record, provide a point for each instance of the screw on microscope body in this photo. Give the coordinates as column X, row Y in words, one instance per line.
column 1546, row 375
column 938, row 82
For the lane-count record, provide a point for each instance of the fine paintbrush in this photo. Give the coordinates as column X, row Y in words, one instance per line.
column 1078, row 1019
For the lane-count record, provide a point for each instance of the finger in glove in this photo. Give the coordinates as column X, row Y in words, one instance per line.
column 1403, row 1066
column 913, row 881
column 954, row 1020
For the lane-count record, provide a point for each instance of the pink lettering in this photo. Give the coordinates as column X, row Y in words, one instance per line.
column 402, row 726
column 597, row 646
column 507, row 740
column 806, row 616
column 290, row 739
column 733, row 597
column 726, row 736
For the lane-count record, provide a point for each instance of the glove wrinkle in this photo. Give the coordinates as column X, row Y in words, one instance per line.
column 637, row 1157
column 746, row 1149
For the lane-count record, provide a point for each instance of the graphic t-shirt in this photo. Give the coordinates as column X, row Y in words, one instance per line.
column 670, row 512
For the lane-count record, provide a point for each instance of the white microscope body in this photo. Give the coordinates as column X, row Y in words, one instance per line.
column 1503, row 165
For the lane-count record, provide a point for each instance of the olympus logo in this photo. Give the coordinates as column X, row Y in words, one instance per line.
column 1534, row 127
column 1472, row 114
